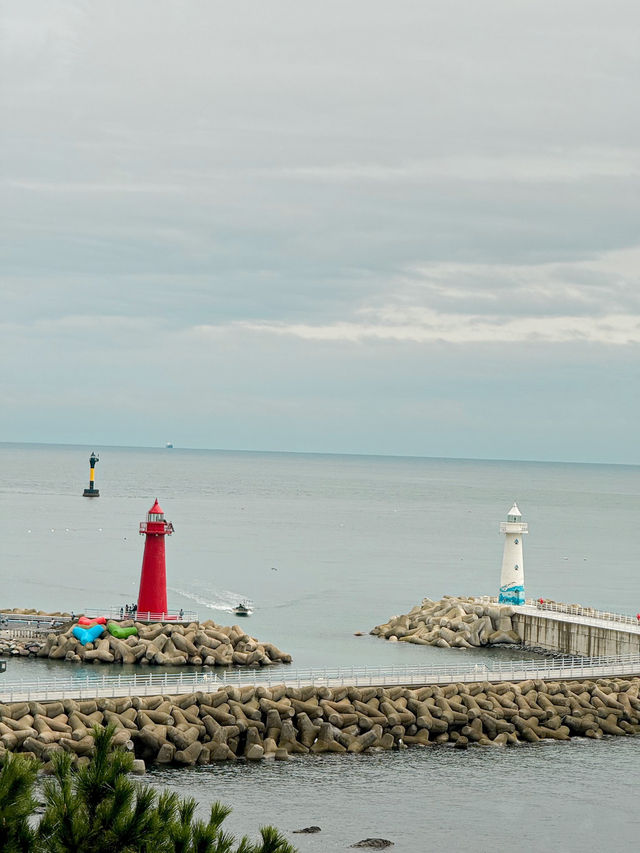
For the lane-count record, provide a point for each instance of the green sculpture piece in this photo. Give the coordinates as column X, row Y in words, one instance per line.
column 121, row 633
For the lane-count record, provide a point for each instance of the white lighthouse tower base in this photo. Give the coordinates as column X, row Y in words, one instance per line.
column 512, row 575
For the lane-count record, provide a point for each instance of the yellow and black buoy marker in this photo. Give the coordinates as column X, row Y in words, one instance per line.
column 92, row 492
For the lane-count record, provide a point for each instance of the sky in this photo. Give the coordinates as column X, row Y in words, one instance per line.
column 365, row 227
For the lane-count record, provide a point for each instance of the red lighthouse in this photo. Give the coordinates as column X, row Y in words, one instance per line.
column 152, row 598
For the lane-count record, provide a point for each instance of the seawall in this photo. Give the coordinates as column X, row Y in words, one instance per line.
column 257, row 723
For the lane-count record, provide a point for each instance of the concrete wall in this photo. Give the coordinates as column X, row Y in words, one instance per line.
column 574, row 638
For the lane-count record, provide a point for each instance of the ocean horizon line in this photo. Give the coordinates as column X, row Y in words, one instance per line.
column 327, row 453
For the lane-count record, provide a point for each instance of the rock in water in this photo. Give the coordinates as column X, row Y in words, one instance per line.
column 374, row 843
column 308, row 829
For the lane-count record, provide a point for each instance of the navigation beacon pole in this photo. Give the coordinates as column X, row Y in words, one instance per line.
column 152, row 597
column 92, row 492
column 512, row 575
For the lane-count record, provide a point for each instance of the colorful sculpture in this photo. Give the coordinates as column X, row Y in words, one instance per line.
column 87, row 635
column 121, row 633
column 99, row 620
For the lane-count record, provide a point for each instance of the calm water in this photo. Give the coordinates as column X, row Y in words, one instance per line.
column 326, row 546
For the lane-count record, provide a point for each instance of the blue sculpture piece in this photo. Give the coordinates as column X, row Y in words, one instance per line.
column 87, row 635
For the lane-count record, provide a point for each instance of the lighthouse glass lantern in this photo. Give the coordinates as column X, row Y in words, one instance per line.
column 512, row 574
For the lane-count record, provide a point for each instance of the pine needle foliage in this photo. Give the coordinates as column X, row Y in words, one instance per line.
column 17, row 803
column 100, row 808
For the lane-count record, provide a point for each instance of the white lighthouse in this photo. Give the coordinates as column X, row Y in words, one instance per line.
column 512, row 575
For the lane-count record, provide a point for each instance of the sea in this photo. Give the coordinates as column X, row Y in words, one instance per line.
column 327, row 547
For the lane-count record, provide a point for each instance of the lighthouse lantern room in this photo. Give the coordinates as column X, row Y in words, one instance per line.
column 512, row 575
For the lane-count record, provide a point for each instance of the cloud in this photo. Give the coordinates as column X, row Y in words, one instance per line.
column 427, row 327
column 594, row 301
column 383, row 203
column 554, row 166
column 606, row 283
column 93, row 187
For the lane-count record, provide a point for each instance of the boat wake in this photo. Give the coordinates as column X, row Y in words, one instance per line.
column 223, row 599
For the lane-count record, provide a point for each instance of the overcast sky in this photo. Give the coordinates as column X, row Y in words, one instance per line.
column 373, row 227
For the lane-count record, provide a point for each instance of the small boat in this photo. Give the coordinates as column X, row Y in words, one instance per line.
column 245, row 608
column 169, row 445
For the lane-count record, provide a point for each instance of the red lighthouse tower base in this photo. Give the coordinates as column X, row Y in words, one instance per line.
column 152, row 598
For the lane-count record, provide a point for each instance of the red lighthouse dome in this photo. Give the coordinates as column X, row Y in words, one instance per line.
column 156, row 509
column 152, row 597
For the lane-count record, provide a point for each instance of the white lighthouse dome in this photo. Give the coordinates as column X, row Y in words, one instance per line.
column 514, row 513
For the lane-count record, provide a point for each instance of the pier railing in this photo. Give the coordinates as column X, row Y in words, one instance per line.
column 111, row 612
column 23, row 633
column 94, row 686
column 576, row 610
column 570, row 609
column 142, row 615
column 33, row 620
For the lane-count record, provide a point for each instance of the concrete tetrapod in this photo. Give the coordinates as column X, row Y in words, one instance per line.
column 452, row 622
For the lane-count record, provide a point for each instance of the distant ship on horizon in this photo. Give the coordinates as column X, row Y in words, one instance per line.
column 169, row 445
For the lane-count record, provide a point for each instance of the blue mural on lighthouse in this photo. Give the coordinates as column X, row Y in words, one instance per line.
column 511, row 594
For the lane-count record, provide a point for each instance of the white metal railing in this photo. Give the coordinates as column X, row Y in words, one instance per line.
column 23, row 633
column 563, row 667
column 111, row 612
column 570, row 609
column 576, row 610
column 32, row 619
column 121, row 612
column 93, row 686
column 514, row 527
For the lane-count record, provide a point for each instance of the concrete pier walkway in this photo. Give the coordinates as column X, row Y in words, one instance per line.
column 572, row 631
column 582, row 616
column 147, row 684
column 569, row 629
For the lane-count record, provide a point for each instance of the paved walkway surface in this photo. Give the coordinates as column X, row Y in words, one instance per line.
column 91, row 687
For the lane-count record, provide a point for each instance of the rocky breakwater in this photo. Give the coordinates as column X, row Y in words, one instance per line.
column 257, row 723
column 452, row 622
column 32, row 613
column 164, row 644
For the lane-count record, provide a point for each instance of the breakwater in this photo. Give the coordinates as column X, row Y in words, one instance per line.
column 162, row 644
column 258, row 723
column 462, row 623
column 453, row 622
